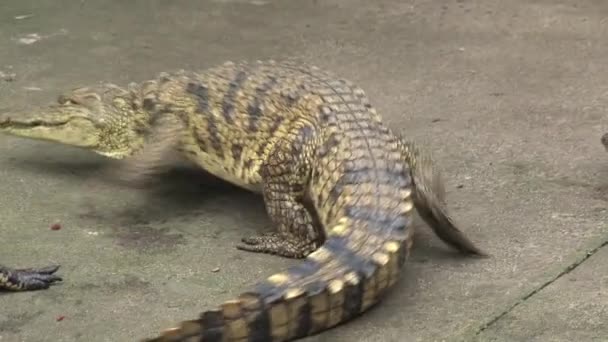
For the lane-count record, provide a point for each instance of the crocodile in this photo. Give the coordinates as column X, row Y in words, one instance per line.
column 339, row 185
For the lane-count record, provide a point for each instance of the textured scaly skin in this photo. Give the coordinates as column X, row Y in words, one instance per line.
column 27, row 279
column 337, row 183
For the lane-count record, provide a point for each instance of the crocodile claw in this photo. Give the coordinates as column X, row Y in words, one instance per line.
column 29, row 279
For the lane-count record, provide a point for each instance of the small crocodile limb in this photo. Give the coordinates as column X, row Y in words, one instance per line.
column 337, row 183
column 28, row 279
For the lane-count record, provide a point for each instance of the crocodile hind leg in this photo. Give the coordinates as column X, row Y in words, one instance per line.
column 28, row 279
column 285, row 175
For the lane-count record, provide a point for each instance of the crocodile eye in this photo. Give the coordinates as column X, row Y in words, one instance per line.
column 63, row 100
column 67, row 100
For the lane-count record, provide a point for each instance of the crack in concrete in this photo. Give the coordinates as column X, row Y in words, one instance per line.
column 523, row 299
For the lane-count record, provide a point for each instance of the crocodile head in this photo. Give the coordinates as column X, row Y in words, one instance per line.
column 105, row 119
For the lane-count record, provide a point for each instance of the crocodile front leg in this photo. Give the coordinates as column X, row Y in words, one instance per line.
column 285, row 175
column 28, row 279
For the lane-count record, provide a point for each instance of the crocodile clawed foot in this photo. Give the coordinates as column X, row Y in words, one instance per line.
column 275, row 243
column 32, row 278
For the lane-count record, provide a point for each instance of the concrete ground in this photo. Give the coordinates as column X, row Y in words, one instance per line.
column 511, row 95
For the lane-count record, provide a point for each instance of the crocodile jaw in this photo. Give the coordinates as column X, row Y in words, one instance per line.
column 74, row 130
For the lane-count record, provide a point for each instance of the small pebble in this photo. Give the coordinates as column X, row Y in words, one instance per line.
column 24, row 16
column 215, row 270
column 60, row 318
column 55, row 226
column 7, row 77
column 29, row 39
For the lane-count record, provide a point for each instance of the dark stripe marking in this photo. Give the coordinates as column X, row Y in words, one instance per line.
column 149, row 104
column 402, row 254
column 304, row 135
column 255, row 109
column 158, row 112
column 327, row 147
column 248, row 164
column 353, row 298
column 202, row 95
column 213, row 326
column 275, row 125
column 334, row 193
column 291, row 96
column 271, row 130
column 202, row 98
column 304, row 320
column 202, row 144
column 237, row 150
column 230, row 97
column 326, row 113
column 259, row 320
column 214, row 136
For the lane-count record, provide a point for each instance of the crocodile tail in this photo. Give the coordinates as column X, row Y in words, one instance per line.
column 429, row 199
column 334, row 284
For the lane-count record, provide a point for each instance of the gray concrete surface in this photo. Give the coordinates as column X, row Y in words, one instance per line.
column 511, row 95
column 573, row 308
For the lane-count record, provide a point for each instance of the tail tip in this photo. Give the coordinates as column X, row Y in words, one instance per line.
column 476, row 252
